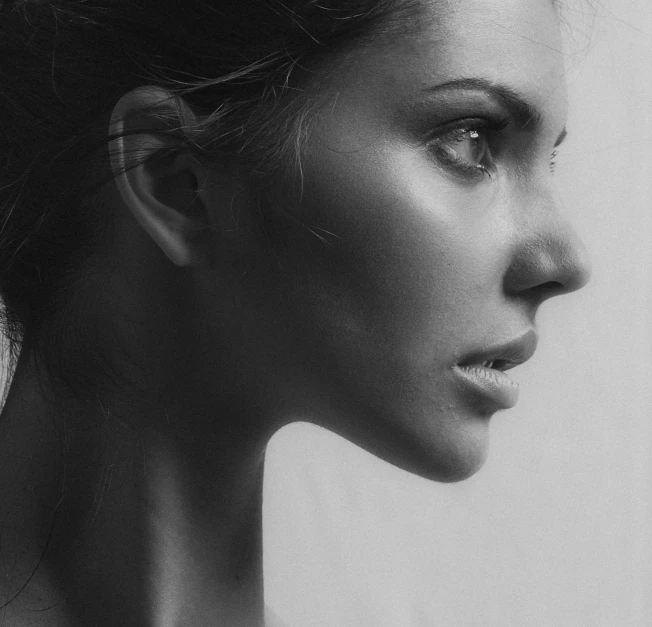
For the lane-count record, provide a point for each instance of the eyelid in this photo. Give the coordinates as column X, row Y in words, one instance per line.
column 487, row 124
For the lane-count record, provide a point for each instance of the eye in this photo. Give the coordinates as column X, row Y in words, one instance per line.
column 465, row 147
column 469, row 145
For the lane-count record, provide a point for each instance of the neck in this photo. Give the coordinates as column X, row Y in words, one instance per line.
column 150, row 519
column 205, row 538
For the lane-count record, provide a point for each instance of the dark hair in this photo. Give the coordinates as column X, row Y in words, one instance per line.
column 242, row 65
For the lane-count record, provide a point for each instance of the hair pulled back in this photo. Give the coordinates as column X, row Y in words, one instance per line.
column 242, row 65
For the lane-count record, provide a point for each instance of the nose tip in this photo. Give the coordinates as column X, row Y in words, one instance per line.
column 577, row 268
column 549, row 265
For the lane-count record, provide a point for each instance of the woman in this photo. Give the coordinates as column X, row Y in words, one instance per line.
column 225, row 216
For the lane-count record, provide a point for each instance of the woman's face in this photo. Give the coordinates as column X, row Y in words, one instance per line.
column 429, row 232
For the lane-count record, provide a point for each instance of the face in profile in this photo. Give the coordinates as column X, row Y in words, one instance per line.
column 427, row 233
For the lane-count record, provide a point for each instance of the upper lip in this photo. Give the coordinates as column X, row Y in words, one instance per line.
column 505, row 355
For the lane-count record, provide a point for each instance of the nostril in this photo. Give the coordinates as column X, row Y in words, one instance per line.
column 544, row 291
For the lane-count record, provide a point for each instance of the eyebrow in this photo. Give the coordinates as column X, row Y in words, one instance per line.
column 525, row 113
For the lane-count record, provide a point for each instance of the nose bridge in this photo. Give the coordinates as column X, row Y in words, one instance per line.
column 548, row 257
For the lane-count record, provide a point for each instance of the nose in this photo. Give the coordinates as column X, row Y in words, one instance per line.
column 549, row 259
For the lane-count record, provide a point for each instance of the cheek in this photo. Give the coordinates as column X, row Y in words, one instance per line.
column 411, row 258
column 387, row 271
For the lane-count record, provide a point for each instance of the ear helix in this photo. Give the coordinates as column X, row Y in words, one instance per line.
column 169, row 228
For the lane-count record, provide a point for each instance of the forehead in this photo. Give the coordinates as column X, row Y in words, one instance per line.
column 496, row 37
column 516, row 43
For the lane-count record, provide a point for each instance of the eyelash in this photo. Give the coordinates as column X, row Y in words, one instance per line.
column 553, row 160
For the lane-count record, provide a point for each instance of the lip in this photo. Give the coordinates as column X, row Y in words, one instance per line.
column 491, row 383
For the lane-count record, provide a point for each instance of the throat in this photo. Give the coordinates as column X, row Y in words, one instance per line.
column 205, row 570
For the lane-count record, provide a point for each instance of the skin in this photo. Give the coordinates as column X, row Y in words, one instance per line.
column 220, row 336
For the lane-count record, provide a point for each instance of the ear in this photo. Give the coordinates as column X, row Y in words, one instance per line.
column 159, row 184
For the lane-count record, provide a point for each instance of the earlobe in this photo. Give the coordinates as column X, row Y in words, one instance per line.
column 157, row 183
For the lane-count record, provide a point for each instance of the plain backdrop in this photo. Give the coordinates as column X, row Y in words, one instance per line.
column 556, row 529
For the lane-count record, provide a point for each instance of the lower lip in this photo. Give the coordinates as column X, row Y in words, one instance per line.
column 492, row 384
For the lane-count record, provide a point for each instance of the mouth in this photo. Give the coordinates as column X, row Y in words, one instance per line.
column 483, row 371
column 497, row 364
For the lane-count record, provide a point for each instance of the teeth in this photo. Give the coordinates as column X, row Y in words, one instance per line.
column 488, row 364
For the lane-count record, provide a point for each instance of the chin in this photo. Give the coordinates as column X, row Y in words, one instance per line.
column 446, row 455
column 442, row 465
column 444, row 448
column 460, row 469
